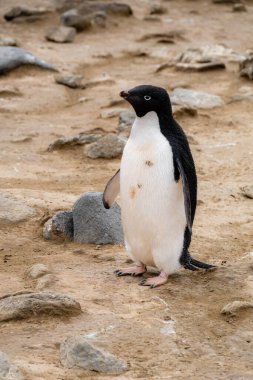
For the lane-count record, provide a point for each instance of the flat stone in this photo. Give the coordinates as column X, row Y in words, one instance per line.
column 196, row 99
column 59, row 226
column 236, row 306
column 76, row 352
column 205, row 66
column 239, row 7
column 13, row 210
column 109, row 146
column 12, row 57
column 94, row 224
column 37, row 270
column 246, row 68
column 27, row 304
column 248, row 191
column 208, row 54
column 60, row 34
column 113, row 8
column 109, row 113
column 8, row 41
column 8, row 370
column 80, row 139
column 24, row 11
column 72, row 81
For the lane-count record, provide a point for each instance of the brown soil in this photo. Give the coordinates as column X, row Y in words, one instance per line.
column 130, row 321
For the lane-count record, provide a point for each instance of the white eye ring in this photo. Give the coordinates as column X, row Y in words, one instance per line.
column 147, row 97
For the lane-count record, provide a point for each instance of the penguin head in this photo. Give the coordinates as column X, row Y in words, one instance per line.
column 147, row 98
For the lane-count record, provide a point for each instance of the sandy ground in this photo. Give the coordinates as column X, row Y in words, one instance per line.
column 172, row 332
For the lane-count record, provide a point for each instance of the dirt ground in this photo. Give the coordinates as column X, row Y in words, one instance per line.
column 172, row 332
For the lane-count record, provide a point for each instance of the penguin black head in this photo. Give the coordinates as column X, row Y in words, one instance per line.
column 147, row 98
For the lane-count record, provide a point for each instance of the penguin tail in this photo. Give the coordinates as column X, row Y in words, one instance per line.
column 193, row 264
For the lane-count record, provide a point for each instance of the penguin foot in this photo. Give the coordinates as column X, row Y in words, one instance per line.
column 135, row 270
column 153, row 282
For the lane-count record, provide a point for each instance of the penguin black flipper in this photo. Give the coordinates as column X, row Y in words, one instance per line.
column 187, row 195
column 111, row 190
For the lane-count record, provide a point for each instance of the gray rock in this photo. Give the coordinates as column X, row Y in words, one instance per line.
column 94, row 224
column 73, row 19
column 8, row 41
column 80, row 139
column 196, row 99
column 99, row 19
column 116, row 9
column 109, row 146
column 72, row 81
column 76, row 352
column 13, row 210
column 126, row 119
column 17, row 12
column 60, row 34
column 208, row 54
column 246, row 68
column 248, row 191
column 37, row 270
column 12, row 57
column 59, row 226
column 8, row 371
column 26, row 304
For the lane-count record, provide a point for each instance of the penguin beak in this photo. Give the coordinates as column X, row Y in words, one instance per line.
column 124, row 94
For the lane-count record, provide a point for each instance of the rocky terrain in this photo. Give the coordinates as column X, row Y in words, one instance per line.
column 63, row 313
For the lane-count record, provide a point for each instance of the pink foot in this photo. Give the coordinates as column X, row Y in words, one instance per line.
column 153, row 282
column 135, row 270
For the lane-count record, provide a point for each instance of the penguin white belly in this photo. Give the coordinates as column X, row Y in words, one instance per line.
column 152, row 203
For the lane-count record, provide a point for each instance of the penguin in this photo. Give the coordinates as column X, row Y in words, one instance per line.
column 157, row 183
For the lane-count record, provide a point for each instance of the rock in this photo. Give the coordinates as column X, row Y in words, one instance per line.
column 8, row 41
column 118, row 9
column 235, row 306
column 8, row 371
column 109, row 146
column 205, row 66
column 93, row 223
column 37, row 270
column 72, row 81
column 7, row 90
column 248, row 191
column 12, row 57
column 76, row 352
column 246, row 68
column 126, row 119
column 100, row 19
column 26, row 304
column 109, row 113
column 239, row 7
column 17, row 12
column 46, row 281
column 60, row 225
column 157, row 9
column 208, row 54
column 74, row 19
column 170, row 36
column 60, row 34
column 184, row 110
column 13, row 210
column 80, row 139
column 196, row 99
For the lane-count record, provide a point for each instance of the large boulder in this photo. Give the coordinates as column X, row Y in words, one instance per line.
column 93, row 223
column 13, row 210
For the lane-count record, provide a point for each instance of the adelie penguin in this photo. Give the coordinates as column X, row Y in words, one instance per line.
column 158, row 189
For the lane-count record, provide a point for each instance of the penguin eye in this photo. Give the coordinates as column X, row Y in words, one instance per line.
column 147, row 97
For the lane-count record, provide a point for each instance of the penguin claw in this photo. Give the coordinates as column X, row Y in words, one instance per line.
column 153, row 282
column 133, row 271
